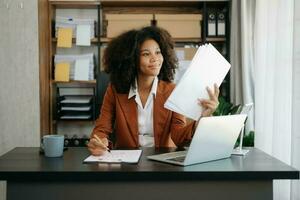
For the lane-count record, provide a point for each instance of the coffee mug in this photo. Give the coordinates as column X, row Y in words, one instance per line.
column 53, row 145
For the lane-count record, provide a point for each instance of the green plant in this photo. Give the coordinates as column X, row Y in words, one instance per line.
column 227, row 108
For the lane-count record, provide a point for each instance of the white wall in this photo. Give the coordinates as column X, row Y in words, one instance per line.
column 19, row 76
column 296, row 101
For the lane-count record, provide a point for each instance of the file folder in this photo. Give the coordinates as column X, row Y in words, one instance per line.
column 211, row 24
column 62, row 71
column 72, row 59
column 64, row 37
column 221, row 24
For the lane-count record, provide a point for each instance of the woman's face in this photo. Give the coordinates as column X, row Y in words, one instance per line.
column 151, row 58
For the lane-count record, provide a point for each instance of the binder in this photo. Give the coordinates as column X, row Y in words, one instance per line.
column 221, row 24
column 211, row 23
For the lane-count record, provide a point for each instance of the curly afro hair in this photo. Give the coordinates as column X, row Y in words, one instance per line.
column 121, row 57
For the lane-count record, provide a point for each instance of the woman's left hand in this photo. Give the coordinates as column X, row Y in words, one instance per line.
column 210, row 105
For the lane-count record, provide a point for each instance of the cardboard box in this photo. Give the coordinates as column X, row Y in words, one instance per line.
column 181, row 25
column 119, row 23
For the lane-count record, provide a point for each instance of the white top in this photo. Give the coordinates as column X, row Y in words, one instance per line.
column 145, row 115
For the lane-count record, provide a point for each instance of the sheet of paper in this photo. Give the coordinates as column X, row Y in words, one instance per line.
column 75, row 117
column 207, row 67
column 117, row 156
column 64, row 37
column 81, row 72
column 83, row 35
column 62, row 72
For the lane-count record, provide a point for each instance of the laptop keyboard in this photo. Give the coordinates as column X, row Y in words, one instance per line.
column 177, row 159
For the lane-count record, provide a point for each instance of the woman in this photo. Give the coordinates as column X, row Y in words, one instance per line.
column 141, row 64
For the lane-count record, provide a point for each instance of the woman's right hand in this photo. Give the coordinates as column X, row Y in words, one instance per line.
column 97, row 146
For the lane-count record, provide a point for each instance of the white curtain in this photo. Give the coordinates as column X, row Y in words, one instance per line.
column 266, row 66
column 241, row 54
column 273, row 65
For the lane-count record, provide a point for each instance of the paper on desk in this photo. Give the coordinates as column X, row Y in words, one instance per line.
column 117, row 156
column 207, row 67
column 83, row 35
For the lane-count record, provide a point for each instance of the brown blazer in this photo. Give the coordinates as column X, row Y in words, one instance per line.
column 119, row 113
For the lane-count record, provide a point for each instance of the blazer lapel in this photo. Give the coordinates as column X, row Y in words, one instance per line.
column 160, row 114
column 130, row 112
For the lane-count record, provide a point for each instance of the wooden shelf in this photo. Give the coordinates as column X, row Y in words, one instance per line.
column 90, row 4
column 150, row 3
column 93, row 40
column 215, row 39
column 78, row 121
column 187, row 40
column 91, row 81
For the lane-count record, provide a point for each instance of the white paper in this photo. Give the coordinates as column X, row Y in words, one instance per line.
column 75, row 117
column 83, row 35
column 76, row 100
column 117, row 156
column 207, row 67
column 81, row 70
column 83, row 108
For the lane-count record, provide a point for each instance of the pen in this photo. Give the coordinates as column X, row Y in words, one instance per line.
column 99, row 140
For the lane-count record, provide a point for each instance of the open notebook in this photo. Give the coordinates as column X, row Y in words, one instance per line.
column 116, row 156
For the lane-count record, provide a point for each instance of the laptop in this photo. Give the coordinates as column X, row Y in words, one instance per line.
column 214, row 139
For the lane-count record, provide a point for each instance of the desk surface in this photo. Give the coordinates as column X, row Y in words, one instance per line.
column 26, row 163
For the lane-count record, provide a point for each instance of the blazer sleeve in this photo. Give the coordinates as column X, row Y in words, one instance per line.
column 105, row 122
column 181, row 132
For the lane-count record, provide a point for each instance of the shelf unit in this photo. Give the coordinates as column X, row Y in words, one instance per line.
column 103, row 7
column 55, row 86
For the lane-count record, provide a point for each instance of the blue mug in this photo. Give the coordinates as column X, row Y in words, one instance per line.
column 53, row 145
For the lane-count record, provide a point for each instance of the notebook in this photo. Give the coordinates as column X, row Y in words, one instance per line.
column 214, row 139
column 116, row 156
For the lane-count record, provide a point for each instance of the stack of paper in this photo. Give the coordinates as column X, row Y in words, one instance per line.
column 81, row 66
column 77, row 100
column 207, row 67
column 76, row 107
column 69, row 22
